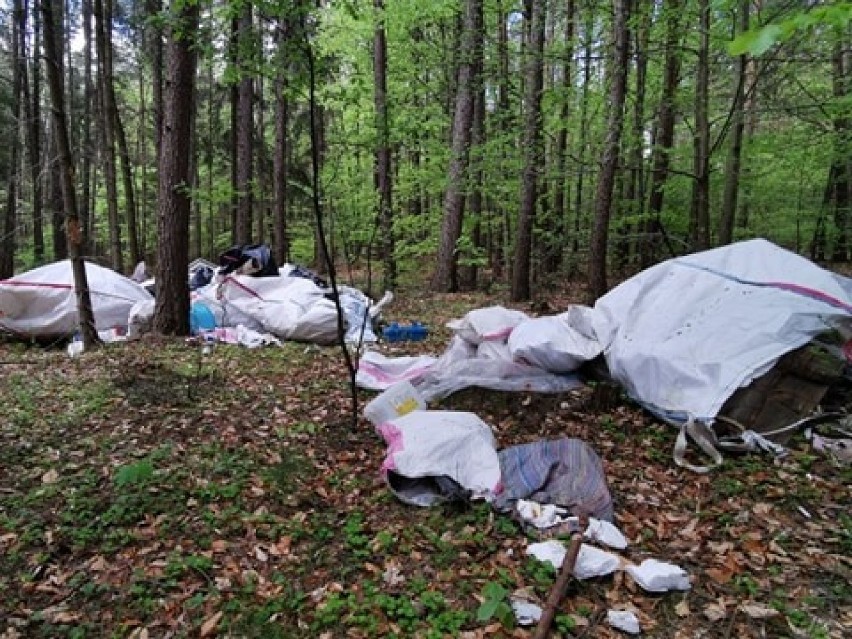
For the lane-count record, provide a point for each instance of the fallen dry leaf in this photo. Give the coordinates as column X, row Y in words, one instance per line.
column 50, row 477
column 209, row 626
column 758, row 611
column 715, row 612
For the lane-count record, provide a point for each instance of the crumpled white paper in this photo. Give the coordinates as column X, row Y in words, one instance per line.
column 606, row 533
column 526, row 613
column 623, row 620
column 549, row 515
column 658, row 576
column 591, row 561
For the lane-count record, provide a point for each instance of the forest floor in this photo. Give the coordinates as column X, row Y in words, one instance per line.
column 150, row 490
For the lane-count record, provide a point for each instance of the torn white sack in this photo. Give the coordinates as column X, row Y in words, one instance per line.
column 436, row 444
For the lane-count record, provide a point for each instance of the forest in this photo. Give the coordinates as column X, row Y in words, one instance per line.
column 506, row 143
column 479, row 159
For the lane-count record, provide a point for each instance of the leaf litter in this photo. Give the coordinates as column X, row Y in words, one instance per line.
column 150, row 490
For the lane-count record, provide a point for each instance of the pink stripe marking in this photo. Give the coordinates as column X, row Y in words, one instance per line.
column 242, row 286
column 379, row 374
column 811, row 292
column 35, row 284
column 393, row 437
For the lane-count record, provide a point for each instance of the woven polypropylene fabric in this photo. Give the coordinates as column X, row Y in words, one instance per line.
column 565, row 472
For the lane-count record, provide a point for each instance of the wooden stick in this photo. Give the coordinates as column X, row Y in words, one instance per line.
column 542, row 630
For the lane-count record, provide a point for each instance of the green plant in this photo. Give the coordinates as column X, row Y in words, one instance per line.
column 495, row 605
column 134, row 474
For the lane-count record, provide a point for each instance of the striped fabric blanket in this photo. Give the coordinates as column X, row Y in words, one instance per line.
column 565, row 472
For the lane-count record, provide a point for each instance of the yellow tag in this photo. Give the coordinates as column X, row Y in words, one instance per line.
column 406, row 406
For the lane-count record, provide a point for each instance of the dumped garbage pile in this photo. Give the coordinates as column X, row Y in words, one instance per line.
column 435, row 456
column 249, row 301
column 681, row 337
column 495, row 348
column 42, row 303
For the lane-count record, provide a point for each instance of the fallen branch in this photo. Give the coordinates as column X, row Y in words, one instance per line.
column 542, row 630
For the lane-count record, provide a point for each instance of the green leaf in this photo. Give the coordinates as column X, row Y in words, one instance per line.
column 487, row 609
column 756, row 42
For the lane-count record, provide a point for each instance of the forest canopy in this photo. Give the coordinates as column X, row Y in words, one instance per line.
column 503, row 142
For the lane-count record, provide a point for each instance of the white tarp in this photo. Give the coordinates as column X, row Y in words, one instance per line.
column 683, row 335
column 42, row 302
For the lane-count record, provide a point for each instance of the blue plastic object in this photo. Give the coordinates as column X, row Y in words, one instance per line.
column 201, row 318
column 414, row 332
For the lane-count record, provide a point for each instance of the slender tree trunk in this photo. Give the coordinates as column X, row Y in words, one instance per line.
column 589, row 39
column 555, row 253
column 841, row 166
column 617, row 72
column 732, row 165
column 86, row 150
column 280, row 157
column 322, row 257
column 664, row 130
column 103, row 31
column 7, row 241
column 129, row 188
column 468, row 276
column 58, row 213
column 245, row 127
column 700, row 212
column 750, row 116
column 383, row 150
column 533, row 79
column 445, row 277
column 171, row 314
column 635, row 194
column 504, row 122
column 53, row 44
column 260, row 204
column 155, row 44
column 33, row 113
column 234, row 98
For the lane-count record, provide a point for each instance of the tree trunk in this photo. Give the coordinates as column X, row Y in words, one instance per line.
column 663, row 138
column 750, row 116
column 468, row 276
column 635, row 194
column 533, row 79
column 700, row 212
column 129, row 187
column 59, row 237
column 155, row 45
column 504, row 122
column 103, row 30
column 51, row 11
column 553, row 262
column 321, row 248
column 383, row 151
column 445, row 277
column 281, row 153
column 261, row 164
column 841, row 162
column 617, row 73
column 171, row 315
column 588, row 44
column 245, row 126
column 86, row 150
column 7, row 241
column 732, row 165
column 32, row 104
